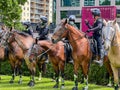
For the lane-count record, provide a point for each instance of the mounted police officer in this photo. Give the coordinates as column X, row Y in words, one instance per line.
column 72, row 21
column 28, row 28
column 97, row 35
column 42, row 28
column 43, row 31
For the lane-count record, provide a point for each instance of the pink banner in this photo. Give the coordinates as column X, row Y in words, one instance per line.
column 107, row 12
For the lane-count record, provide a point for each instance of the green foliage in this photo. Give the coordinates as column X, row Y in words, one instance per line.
column 97, row 74
column 44, row 84
column 10, row 10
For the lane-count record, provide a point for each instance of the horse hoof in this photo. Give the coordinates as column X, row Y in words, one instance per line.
column 85, row 88
column 19, row 82
column 75, row 88
column 62, row 87
column 109, row 85
column 55, row 86
column 31, row 83
column 11, row 81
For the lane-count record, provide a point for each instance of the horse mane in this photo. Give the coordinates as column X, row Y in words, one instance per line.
column 117, row 27
column 74, row 29
column 22, row 33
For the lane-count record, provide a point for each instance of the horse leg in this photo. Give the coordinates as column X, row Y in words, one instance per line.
column 108, row 67
column 20, row 72
column 32, row 68
column 13, row 72
column 116, row 79
column 62, row 65
column 56, row 68
column 76, row 67
column 85, row 69
column 40, row 71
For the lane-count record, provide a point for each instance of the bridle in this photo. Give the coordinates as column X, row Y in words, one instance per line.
column 64, row 29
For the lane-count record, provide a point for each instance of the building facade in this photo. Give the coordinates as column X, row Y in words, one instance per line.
column 33, row 9
column 65, row 8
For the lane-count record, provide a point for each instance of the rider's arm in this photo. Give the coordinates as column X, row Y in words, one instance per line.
column 99, row 27
column 89, row 26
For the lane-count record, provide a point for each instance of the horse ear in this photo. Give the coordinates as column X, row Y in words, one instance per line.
column 65, row 21
column 114, row 22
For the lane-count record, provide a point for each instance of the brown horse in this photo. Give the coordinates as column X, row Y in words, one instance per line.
column 57, row 58
column 24, row 42
column 111, row 36
column 14, row 62
column 81, row 49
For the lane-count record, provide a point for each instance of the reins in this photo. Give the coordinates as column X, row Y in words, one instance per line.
column 44, row 52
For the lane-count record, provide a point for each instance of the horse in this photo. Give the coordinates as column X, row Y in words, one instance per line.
column 111, row 37
column 25, row 43
column 56, row 56
column 81, row 49
column 8, row 54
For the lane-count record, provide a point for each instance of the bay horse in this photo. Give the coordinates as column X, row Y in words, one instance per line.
column 111, row 36
column 7, row 54
column 25, row 43
column 81, row 49
column 57, row 57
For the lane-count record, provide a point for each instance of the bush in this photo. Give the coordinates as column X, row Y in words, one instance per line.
column 97, row 74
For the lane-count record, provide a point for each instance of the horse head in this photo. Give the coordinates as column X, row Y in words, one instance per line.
column 108, row 32
column 60, row 32
column 4, row 36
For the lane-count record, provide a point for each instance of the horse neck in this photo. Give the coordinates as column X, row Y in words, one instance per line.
column 117, row 38
column 74, row 35
column 25, row 42
column 52, row 48
column 45, row 44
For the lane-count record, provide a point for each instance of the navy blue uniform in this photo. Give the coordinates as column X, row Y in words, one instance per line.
column 97, row 29
column 43, row 33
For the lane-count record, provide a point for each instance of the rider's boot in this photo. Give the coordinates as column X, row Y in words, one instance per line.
column 70, row 60
column 100, row 62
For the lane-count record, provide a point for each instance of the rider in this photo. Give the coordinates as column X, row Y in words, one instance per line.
column 97, row 35
column 42, row 28
column 72, row 21
column 43, row 31
column 28, row 28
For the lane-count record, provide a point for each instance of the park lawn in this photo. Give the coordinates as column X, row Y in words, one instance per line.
column 44, row 84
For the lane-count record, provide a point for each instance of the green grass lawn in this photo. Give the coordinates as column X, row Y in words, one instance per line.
column 44, row 84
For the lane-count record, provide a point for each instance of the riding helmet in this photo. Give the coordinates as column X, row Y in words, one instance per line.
column 44, row 19
column 72, row 18
column 95, row 11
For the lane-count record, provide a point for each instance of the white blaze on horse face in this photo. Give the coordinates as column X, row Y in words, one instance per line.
column 108, row 35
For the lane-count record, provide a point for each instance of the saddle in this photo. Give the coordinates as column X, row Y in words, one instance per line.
column 68, row 51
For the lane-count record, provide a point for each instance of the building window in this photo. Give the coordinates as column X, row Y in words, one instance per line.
column 66, row 14
column 89, row 3
column 118, row 13
column 117, row 2
column 68, row 3
column 104, row 2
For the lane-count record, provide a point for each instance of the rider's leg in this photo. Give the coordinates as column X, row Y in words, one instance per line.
column 100, row 51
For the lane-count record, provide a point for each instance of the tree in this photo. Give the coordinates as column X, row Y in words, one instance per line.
column 11, row 11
